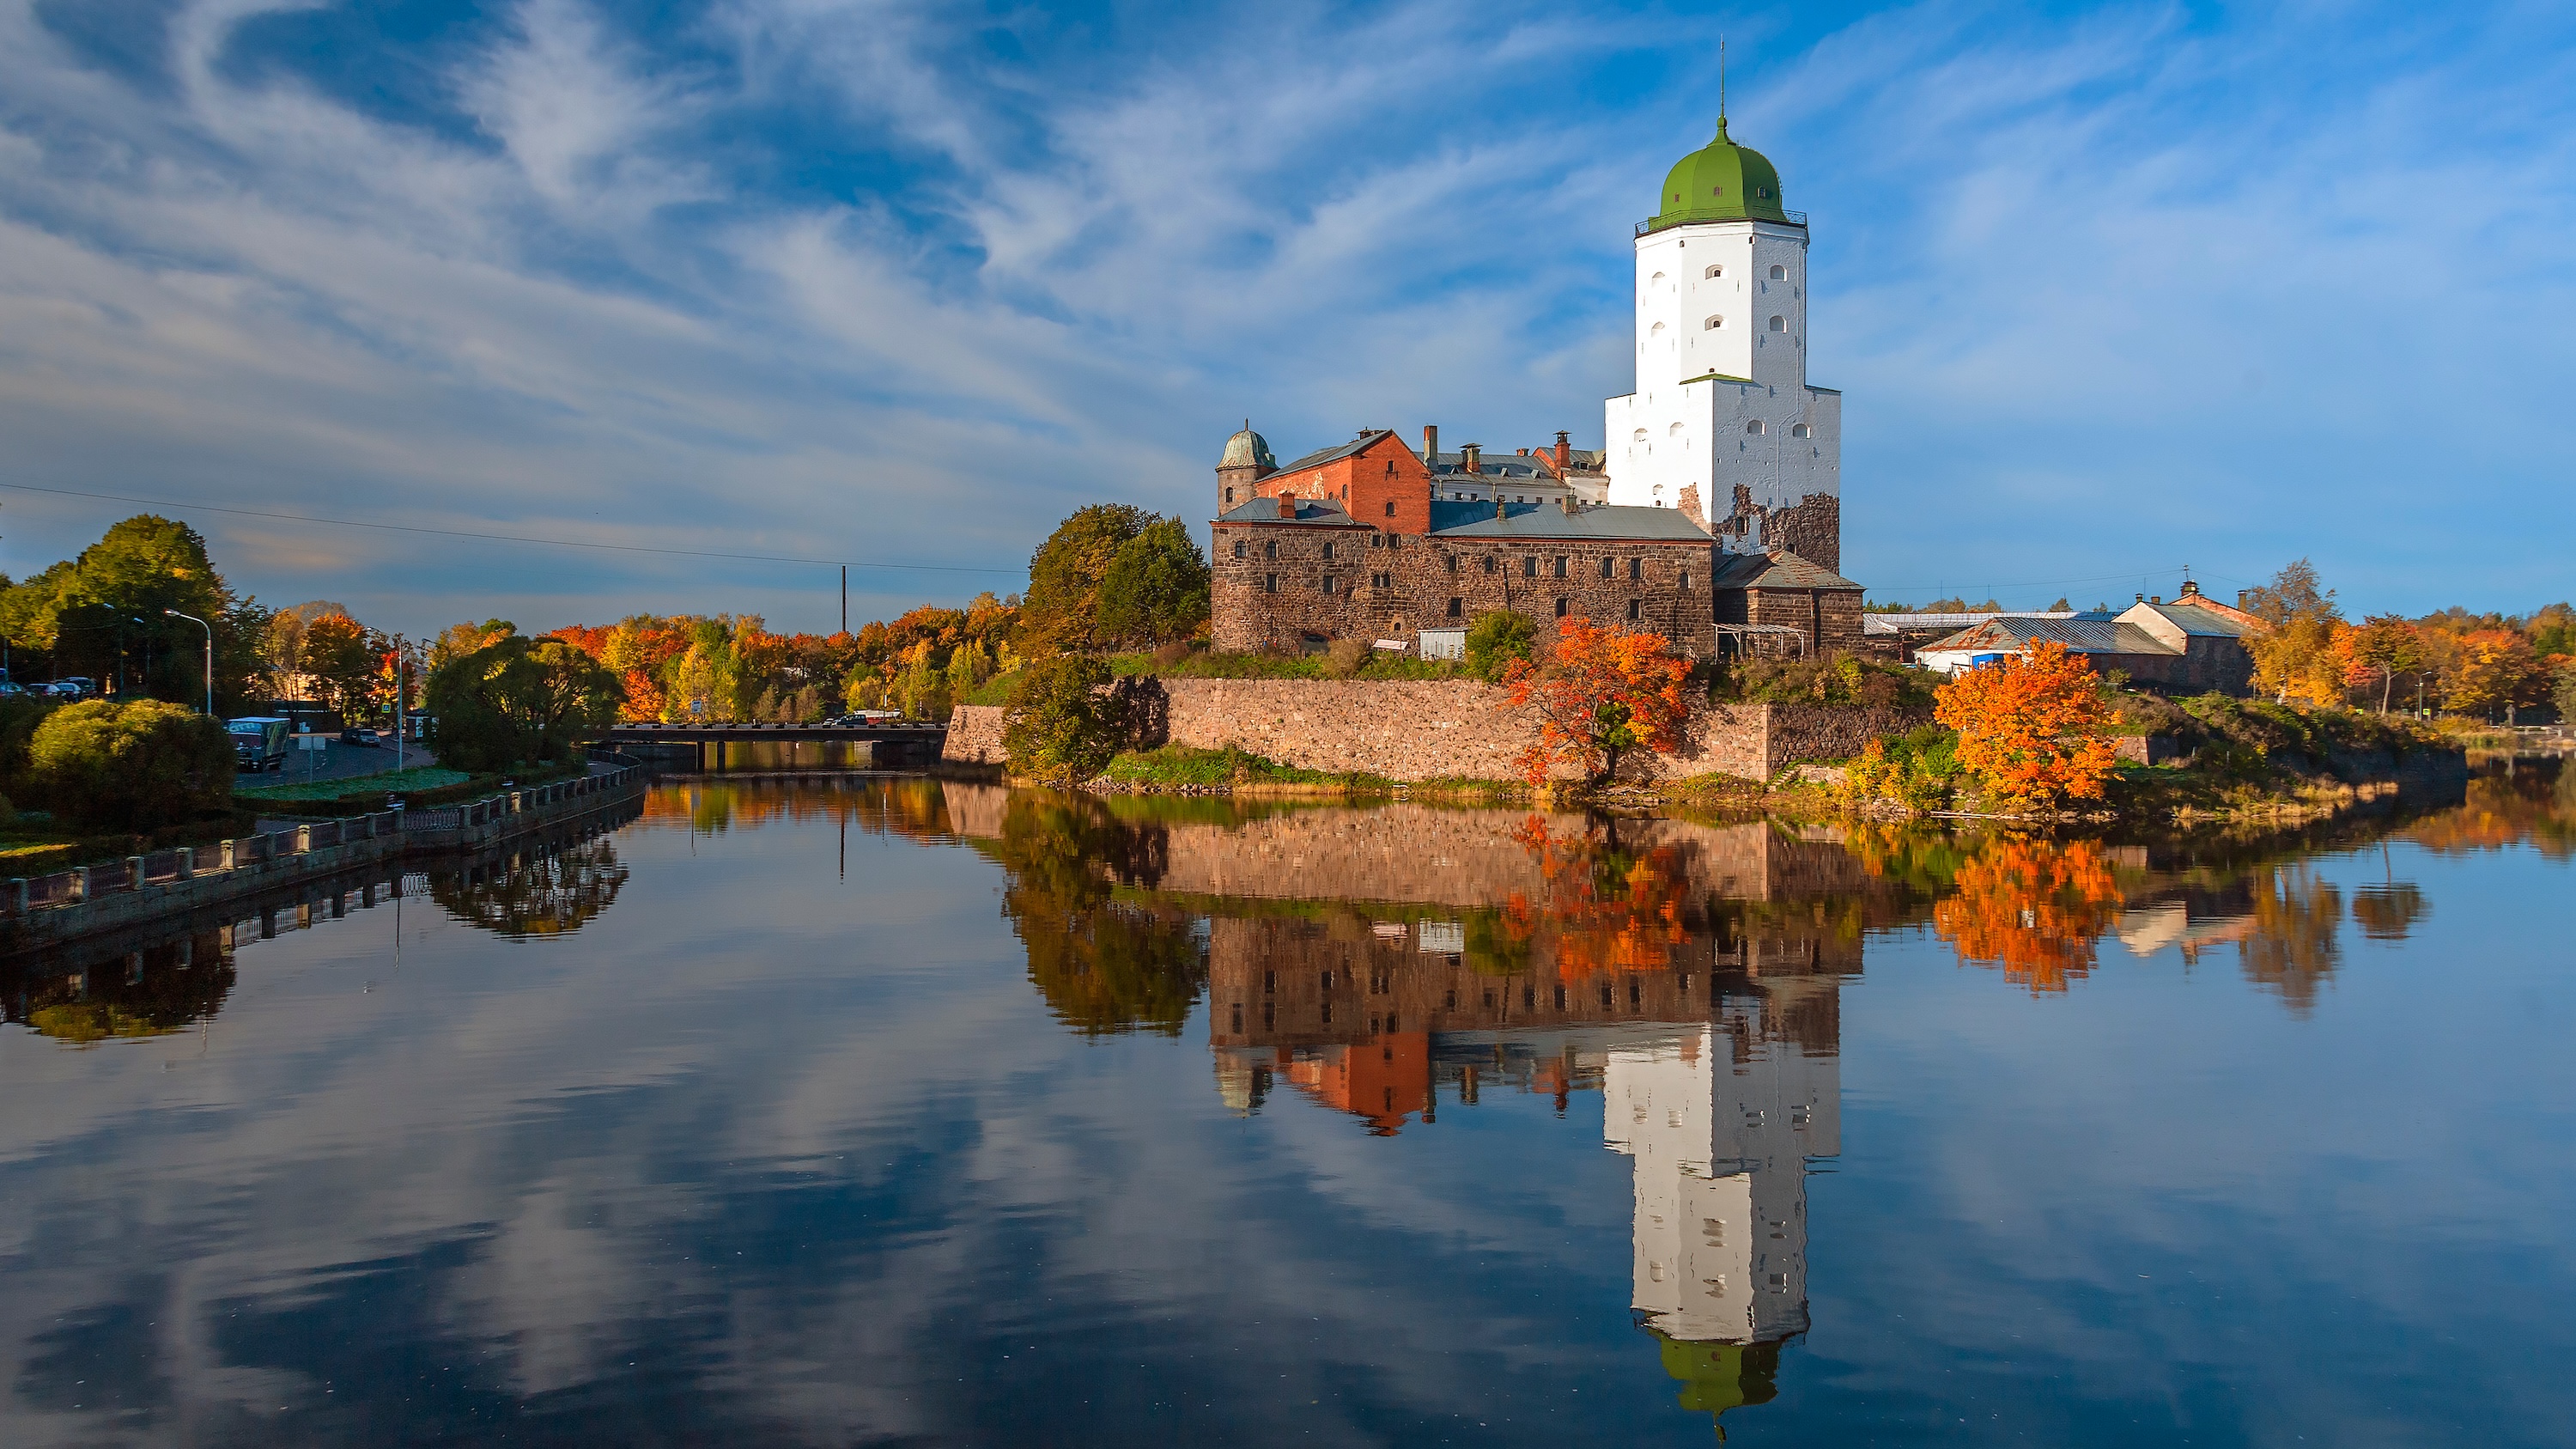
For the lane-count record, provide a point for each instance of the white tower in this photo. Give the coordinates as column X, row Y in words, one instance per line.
column 1723, row 424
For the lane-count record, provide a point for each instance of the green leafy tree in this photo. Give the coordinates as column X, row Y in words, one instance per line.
column 925, row 694
column 138, row 765
column 105, row 614
column 1062, row 610
column 1063, row 725
column 968, row 666
column 699, row 689
column 1496, row 639
column 519, row 700
column 1156, row 588
column 2563, row 694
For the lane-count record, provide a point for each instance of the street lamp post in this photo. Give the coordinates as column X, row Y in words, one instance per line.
column 210, row 655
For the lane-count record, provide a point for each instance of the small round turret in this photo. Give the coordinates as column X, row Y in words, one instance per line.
column 1721, row 181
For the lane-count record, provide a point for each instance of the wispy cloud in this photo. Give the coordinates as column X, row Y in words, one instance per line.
column 885, row 280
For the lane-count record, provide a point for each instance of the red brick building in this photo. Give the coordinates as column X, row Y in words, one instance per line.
column 1358, row 542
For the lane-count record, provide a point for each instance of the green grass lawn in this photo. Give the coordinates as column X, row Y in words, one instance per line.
column 427, row 777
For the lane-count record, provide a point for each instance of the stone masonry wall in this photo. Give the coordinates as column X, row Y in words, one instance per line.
column 1430, row 729
column 1279, row 582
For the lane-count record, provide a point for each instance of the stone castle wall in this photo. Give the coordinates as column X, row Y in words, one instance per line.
column 1416, row 730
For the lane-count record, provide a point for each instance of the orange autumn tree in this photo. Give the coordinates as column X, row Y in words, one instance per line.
column 1600, row 694
column 2034, row 729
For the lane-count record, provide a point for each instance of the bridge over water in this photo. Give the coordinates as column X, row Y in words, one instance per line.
column 891, row 745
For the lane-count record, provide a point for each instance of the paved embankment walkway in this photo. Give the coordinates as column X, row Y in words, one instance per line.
column 42, row 910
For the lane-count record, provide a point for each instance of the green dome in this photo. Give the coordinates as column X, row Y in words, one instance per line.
column 1720, row 182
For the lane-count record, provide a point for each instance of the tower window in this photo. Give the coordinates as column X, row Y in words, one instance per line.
column 1712, row 324
column 1636, row 570
column 1655, row 331
column 1686, row 581
column 1754, row 427
column 1715, row 272
column 1390, row 508
column 1800, row 430
column 1457, row 608
column 1779, row 324
column 1640, row 437
column 1453, row 563
column 1779, row 274
column 1632, row 609
column 1606, row 565
column 1328, row 549
column 1238, row 548
column 1269, row 583
column 1489, row 563
column 1560, row 566
column 1329, row 583
column 1560, row 606
column 1229, row 497
column 1270, row 549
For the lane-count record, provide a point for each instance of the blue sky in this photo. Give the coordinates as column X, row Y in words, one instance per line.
column 2108, row 290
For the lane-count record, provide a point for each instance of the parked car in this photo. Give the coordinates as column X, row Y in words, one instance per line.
column 75, row 686
column 259, row 742
column 362, row 736
column 9, row 690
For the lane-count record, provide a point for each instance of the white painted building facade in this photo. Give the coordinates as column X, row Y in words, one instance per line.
column 1722, row 399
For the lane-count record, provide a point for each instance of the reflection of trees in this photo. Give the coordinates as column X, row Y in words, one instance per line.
column 550, row 895
column 2033, row 907
column 162, row 989
column 1606, row 907
column 2533, row 802
column 904, row 807
column 1103, row 964
column 2389, row 910
column 2291, row 949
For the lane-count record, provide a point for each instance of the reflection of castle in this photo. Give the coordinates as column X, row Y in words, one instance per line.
column 1719, row 1074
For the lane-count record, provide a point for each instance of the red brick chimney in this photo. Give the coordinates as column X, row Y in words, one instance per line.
column 1287, row 506
column 1431, row 446
column 1564, row 456
column 1474, row 453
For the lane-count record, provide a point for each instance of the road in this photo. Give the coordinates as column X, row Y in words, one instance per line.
column 343, row 762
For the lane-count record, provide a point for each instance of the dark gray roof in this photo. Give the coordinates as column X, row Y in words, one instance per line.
column 2193, row 619
column 1778, row 569
column 1513, row 466
column 2082, row 634
column 1536, row 521
column 1309, row 510
column 1317, row 460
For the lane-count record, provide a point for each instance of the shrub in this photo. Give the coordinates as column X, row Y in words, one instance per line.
column 1347, row 657
column 1919, row 770
column 1495, row 640
column 135, row 766
column 1836, row 679
column 1063, row 725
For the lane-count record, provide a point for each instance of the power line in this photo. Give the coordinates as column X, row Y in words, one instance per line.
column 2038, row 583
column 506, row 537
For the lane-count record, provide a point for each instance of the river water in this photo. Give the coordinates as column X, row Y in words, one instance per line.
column 858, row 1109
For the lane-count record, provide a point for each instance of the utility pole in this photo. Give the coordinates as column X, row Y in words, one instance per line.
column 210, row 655
column 845, row 598
column 400, row 699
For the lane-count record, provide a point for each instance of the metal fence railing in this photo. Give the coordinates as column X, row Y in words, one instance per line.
column 25, row 894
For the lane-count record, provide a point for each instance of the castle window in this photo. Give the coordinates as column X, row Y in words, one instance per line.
column 1229, row 497
column 1779, row 324
column 1754, row 427
column 1560, row 567
column 1712, row 324
column 1329, row 583
column 1453, row 563
column 1390, row 508
column 1605, row 567
column 1686, row 581
column 1269, row 583
column 1489, row 563
column 1636, row 570
column 1270, row 549
column 1632, row 609
column 1656, row 280
column 1457, row 608
column 1560, row 607
column 1655, row 331
column 1328, row 549
column 1238, row 548
column 1800, row 430
column 1529, row 567
column 1715, row 272
column 1779, row 273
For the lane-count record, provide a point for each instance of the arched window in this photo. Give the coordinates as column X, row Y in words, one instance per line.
column 1655, row 331
column 1779, row 324
column 1779, row 273
column 1712, row 324
column 1675, row 430
column 1714, row 272
column 1800, row 430
column 1656, row 280
column 1641, row 436
column 1754, row 427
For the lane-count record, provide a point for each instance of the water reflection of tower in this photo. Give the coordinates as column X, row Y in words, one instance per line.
column 1721, row 1121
